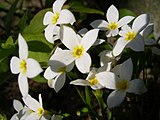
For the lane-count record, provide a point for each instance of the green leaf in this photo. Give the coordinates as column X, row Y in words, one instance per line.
column 4, row 65
column 9, row 17
column 88, row 97
column 79, row 7
column 23, row 22
column 39, row 48
column 40, row 79
column 36, row 24
column 125, row 12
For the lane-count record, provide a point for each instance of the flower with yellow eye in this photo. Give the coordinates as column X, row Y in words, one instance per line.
column 78, row 47
column 36, row 108
column 92, row 79
column 26, row 67
column 130, row 37
column 57, row 17
column 122, row 84
column 112, row 24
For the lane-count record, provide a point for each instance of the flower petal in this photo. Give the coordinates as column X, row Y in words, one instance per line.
column 23, row 84
column 125, row 20
column 156, row 50
column 84, row 67
column 32, row 116
column 17, row 105
column 107, row 79
column 32, row 103
column 100, row 24
column 148, row 30
column 150, row 41
column 49, row 74
column 69, row 67
column 23, row 47
column 89, row 38
column 140, row 22
column 83, row 31
column 137, row 86
column 69, row 37
column 40, row 100
column 57, row 5
column 80, row 82
column 126, row 70
column 33, row 68
column 66, row 17
column 115, row 98
column 48, row 18
column 14, row 65
column 112, row 14
column 59, row 82
column 137, row 44
column 120, row 45
column 112, row 33
column 48, row 33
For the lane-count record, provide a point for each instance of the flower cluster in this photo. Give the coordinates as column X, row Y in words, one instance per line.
column 129, row 32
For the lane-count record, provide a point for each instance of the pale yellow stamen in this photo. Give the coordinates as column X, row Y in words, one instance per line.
column 55, row 18
column 93, row 81
column 40, row 111
column 122, row 85
column 23, row 66
column 112, row 26
column 130, row 36
column 78, row 51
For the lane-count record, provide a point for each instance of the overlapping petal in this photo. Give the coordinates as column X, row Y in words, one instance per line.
column 100, row 24
column 80, row 82
column 57, row 5
column 125, row 20
column 49, row 31
column 59, row 82
column 48, row 18
column 17, row 105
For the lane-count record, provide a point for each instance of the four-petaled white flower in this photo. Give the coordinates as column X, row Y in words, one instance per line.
column 26, row 67
column 113, row 24
column 56, row 72
column 122, row 84
column 57, row 17
column 77, row 48
column 36, row 108
column 92, row 79
column 130, row 37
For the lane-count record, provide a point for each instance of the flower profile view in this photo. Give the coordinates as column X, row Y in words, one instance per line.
column 77, row 48
column 122, row 84
column 113, row 23
column 130, row 36
column 56, row 72
column 26, row 67
column 57, row 17
column 37, row 110
column 92, row 79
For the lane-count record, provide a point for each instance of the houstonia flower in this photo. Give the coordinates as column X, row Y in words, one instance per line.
column 22, row 112
column 57, row 17
column 26, row 67
column 56, row 72
column 106, row 57
column 77, row 48
column 92, row 79
column 148, row 40
column 113, row 24
column 130, row 37
column 36, row 108
column 122, row 84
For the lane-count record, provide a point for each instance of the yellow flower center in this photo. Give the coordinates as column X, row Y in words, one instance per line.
column 23, row 66
column 112, row 26
column 93, row 81
column 62, row 69
column 55, row 18
column 78, row 51
column 130, row 36
column 122, row 85
column 40, row 111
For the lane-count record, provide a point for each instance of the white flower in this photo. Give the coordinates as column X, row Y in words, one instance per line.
column 22, row 111
column 57, row 17
column 92, row 79
column 37, row 110
column 122, row 84
column 130, row 37
column 77, row 48
column 112, row 24
column 26, row 67
column 55, row 73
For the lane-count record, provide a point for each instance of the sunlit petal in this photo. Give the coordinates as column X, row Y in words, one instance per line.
column 112, row 14
column 125, row 20
column 17, row 105
column 49, row 74
column 80, row 82
column 14, row 65
column 57, row 5
column 48, row 18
